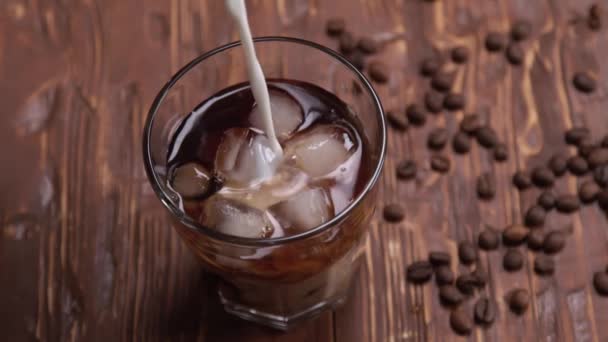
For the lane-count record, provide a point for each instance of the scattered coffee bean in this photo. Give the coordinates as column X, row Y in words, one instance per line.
column 480, row 277
column 554, row 242
column 430, row 66
column 347, row 43
column 440, row 163
column 542, row 177
column 397, row 120
column 415, row 115
column 513, row 260
column 442, row 81
column 597, row 157
column 602, row 199
column 486, row 136
column 437, row 139
column 461, row 322
column 544, row 265
column 514, row 235
column 470, row 124
column 460, row 54
column 515, row 54
column 495, row 41
column 573, row 136
column 519, row 300
column 484, row 311
column 368, row 45
column 467, row 253
column 461, row 143
column 600, row 175
column 454, row 102
column 500, row 152
column 450, row 296
column 466, row 283
column 444, row 275
column 588, row 191
column 406, row 169
column 567, row 203
column 357, row 60
column 393, row 212
column 440, row 258
column 558, row 164
column 584, row 82
column 596, row 11
column 486, row 187
column 522, row 180
column 600, row 282
column 535, row 216
column 419, row 272
column 536, row 238
column 433, row 101
column 546, row 200
column 577, row 165
column 521, row 30
column 335, row 26
column 586, row 146
column 488, row 240
column 378, row 71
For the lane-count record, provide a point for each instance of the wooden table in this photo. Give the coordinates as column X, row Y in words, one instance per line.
column 87, row 254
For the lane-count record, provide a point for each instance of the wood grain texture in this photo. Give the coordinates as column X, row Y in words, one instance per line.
column 87, row 253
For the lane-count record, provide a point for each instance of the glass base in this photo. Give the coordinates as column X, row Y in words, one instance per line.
column 282, row 323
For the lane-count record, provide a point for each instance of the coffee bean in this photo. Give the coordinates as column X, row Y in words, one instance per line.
column 480, row 277
column 461, row 143
column 558, row 164
column 495, row 41
column 454, row 102
column 594, row 24
column 488, row 240
column 515, row 54
column 393, row 212
column 544, row 265
column 440, row 163
column 368, row 45
column 467, row 253
column 584, row 82
column 598, row 157
column 461, row 322
column 450, row 296
column 521, row 30
column 596, row 11
column 397, row 120
column 554, row 242
column 440, row 259
column 460, row 54
column 484, row 311
column 378, row 71
column 442, row 81
column 522, row 180
column 357, row 60
column 586, row 146
column 600, row 282
column 577, row 165
column 536, row 238
column 513, row 260
column 466, row 283
column 519, row 300
column 470, row 124
column 573, row 136
column 514, row 235
column 433, row 101
column 602, row 199
column 600, row 175
column 335, row 26
column 437, row 139
column 486, row 136
column 546, row 200
column 588, row 191
column 419, row 272
column 500, row 152
column 543, row 177
column 444, row 275
column 486, row 187
column 406, row 169
column 535, row 216
column 347, row 43
column 567, row 203
column 430, row 66
column 415, row 115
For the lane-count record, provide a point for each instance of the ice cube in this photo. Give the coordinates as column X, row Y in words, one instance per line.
column 305, row 210
column 321, row 150
column 234, row 218
column 190, row 180
column 245, row 157
column 287, row 114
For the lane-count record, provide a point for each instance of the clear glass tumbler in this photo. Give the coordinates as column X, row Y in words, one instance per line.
column 274, row 281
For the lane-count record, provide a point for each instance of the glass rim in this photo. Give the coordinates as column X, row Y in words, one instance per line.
column 156, row 182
